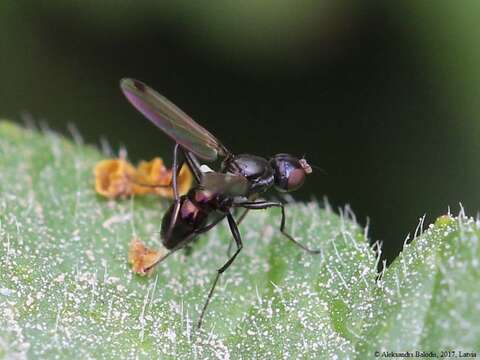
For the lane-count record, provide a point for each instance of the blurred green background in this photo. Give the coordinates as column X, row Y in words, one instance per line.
column 382, row 95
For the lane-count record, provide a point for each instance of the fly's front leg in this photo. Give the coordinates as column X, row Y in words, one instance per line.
column 176, row 197
column 238, row 241
column 194, row 165
column 259, row 205
column 176, row 167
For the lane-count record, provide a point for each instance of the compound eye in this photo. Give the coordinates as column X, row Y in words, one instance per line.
column 295, row 179
column 290, row 172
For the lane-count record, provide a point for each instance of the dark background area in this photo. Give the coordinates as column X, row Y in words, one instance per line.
column 383, row 96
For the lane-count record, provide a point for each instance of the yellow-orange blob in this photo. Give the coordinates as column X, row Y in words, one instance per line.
column 143, row 258
column 113, row 178
column 154, row 173
column 118, row 178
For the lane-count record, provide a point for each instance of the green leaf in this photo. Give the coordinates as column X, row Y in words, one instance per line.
column 66, row 289
column 428, row 299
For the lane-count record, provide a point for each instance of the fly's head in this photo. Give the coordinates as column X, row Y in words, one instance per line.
column 289, row 172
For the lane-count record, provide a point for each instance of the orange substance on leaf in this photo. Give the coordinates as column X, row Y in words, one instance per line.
column 117, row 177
column 143, row 258
column 113, row 178
column 154, row 173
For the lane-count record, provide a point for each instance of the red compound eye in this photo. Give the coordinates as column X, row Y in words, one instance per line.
column 289, row 171
column 296, row 177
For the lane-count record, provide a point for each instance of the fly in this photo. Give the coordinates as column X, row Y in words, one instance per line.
column 238, row 183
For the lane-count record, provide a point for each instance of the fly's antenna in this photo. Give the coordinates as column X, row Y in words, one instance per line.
column 316, row 167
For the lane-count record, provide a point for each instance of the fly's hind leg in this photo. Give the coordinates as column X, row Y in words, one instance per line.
column 238, row 241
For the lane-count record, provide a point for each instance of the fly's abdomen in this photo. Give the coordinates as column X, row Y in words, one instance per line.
column 190, row 218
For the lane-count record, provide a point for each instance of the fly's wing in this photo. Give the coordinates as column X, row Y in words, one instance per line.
column 173, row 121
column 228, row 184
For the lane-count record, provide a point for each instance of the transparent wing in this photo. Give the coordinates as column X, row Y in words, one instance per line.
column 173, row 121
column 228, row 184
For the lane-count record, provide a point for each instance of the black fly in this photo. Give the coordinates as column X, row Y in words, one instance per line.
column 238, row 183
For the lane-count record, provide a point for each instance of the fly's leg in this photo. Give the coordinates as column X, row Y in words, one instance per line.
column 238, row 221
column 176, row 197
column 194, row 165
column 176, row 204
column 167, row 254
column 176, row 167
column 259, row 205
column 150, row 185
column 238, row 241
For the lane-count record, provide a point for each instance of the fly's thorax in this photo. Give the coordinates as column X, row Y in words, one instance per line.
column 256, row 169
